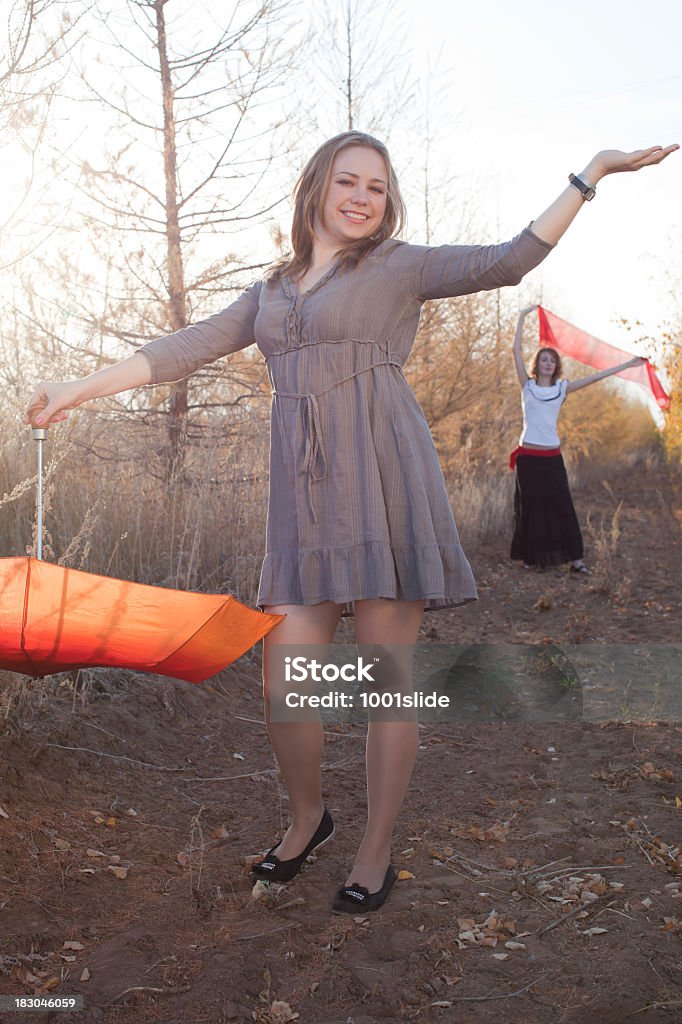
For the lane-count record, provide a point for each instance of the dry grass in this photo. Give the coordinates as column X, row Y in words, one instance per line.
column 120, row 517
column 205, row 530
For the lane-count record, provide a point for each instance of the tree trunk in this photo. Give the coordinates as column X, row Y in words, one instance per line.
column 177, row 306
column 349, row 57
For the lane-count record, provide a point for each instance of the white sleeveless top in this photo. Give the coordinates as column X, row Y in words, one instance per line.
column 541, row 407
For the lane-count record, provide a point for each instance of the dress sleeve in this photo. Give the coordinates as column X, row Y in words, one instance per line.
column 447, row 270
column 177, row 355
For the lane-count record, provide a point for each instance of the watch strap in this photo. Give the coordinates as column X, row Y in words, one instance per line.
column 588, row 192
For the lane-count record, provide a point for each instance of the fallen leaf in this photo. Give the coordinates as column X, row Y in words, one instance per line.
column 131, row 812
column 62, row 844
column 264, row 892
column 452, row 981
column 95, row 853
column 515, row 945
column 220, row 833
column 3, row 812
column 404, row 875
column 69, row 944
column 500, row 956
column 594, row 931
column 182, row 859
column 117, row 871
column 250, row 859
column 69, row 959
column 85, row 975
column 50, row 984
column 281, row 1013
column 443, row 1004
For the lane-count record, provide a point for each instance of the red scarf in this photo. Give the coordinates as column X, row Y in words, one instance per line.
column 571, row 341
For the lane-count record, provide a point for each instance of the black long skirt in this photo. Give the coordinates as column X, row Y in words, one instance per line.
column 546, row 530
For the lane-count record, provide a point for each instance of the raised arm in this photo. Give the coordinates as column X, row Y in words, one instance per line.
column 516, row 348
column 552, row 224
column 583, row 382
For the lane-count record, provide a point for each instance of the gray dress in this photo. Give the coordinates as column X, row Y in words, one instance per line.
column 358, row 507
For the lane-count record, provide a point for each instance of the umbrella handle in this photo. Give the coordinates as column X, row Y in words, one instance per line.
column 40, row 435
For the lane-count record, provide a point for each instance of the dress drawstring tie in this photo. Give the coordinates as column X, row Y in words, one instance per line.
column 315, row 456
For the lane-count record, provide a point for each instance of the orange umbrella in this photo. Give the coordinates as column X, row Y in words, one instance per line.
column 53, row 619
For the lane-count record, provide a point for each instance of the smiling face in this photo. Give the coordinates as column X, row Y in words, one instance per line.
column 355, row 204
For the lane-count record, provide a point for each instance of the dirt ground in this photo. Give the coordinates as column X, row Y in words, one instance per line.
column 542, row 858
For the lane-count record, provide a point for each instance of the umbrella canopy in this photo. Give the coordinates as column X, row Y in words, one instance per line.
column 53, row 619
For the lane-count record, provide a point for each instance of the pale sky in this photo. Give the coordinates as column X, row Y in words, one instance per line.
column 524, row 93
column 534, row 88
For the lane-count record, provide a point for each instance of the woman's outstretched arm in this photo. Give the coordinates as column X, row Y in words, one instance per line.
column 168, row 358
column 51, row 400
column 552, row 224
column 583, row 382
column 516, row 348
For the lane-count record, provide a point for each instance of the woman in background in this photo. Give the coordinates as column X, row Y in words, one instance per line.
column 546, row 530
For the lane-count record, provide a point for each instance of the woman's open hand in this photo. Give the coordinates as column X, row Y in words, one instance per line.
column 613, row 161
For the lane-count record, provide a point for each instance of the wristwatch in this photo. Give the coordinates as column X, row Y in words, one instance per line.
column 586, row 191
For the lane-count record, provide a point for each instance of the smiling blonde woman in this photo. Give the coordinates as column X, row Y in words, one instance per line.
column 359, row 520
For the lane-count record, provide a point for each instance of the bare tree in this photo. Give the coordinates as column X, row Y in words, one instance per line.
column 38, row 35
column 184, row 164
column 362, row 64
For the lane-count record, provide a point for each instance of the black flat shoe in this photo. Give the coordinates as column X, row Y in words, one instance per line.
column 355, row 899
column 272, row 869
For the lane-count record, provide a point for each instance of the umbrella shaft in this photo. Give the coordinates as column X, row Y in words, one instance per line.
column 40, row 498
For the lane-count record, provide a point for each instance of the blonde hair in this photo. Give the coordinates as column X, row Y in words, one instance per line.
column 310, row 194
column 534, row 370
